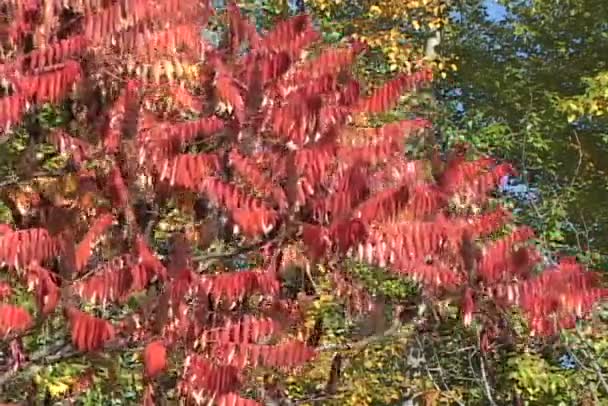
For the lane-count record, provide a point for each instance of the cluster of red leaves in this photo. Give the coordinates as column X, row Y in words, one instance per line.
column 13, row 319
column 283, row 161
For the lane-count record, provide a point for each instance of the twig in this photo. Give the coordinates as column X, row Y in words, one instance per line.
column 439, row 367
column 229, row 254
column 60, row 351
column 426, row 364
column 580, row 159
column 596, row 367
column 51, row 353
column 484, row 379
column 310, row 278
column 428, row 372
column 316, row 398
column 226, row 254
column 14, row 178
column 357, row 345
column 10, row 180
column 577, row 360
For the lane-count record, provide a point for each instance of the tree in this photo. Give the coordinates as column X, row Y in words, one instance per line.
column 398, row 30
column 259, row 148
column 539, row 58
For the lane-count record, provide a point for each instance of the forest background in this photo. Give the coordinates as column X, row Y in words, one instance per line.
column 527, row 81
column 523, row 80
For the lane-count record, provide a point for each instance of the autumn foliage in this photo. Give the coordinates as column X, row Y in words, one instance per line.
column 267, row 133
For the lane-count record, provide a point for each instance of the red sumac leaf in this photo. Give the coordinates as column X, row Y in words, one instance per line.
column 83, row 249
column 5, row 229
column 155, row 358
column 200, row 375
column 88, row 333
column 289, row 354
column 13, row 319
column 22, row 247
column 45, row 284
column 5, row 290
column 468, row 307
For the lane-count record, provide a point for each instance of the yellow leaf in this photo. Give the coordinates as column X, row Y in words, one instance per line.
column 179, row 68
column 157, row 69
column 71, row 183
column 169, row 71
column 57, row 389
column 375, row 10
column 593, row 107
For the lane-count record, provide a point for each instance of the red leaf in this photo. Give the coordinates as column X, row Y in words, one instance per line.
column 45, row 284
column 386, row 97
column 22, row 247
column 468, row 307
column 13, row 319
column 201, row 375
column 88, row 333
column 284, row 355
column 5, row 290
column 248, row 330
column 83, row 249
column 117, row 188
column 155, row 359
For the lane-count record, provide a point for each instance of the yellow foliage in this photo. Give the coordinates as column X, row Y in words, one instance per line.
column 387, row 25
column 594, row 102
column 163, row 69
column 56, row 386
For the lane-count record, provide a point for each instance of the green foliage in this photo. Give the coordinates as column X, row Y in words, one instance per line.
column 520, row 81
column 538, row 381
column 381, row 283
column 546, row 377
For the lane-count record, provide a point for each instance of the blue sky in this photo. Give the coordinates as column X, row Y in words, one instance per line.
column 495, row 10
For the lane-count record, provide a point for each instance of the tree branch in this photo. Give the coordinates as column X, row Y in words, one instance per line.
column 596, row 367
column 53, row 353
column 357, row 345
column 484, row 378
column 58, row 352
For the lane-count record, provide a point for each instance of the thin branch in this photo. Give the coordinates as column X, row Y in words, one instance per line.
column 430, row 375
column 237, row 251
column 580, row 159
column 439, row 367
column 484, row 379
column 51, row 353
column 357, row 345
column 15, row 179
column 596, row 367
column 58, row 352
